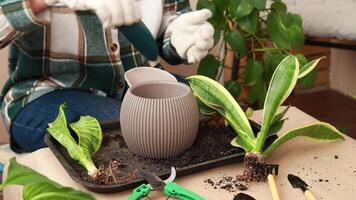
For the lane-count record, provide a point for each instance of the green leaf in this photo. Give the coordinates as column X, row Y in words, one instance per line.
column 279, row 116
column 37, row 186
column 296, row 36
column 222, row 4
column 209, row 67
column 271, row 61
column 89, row 133
column 308, row 81
column 262, row 96
column 307, row 68
column 237, row 142
column 277, row 30
column 236, row 41
column 240, row 8
column 285, row 29
column 259, row 4
column 302, row 60
column 205, row 110
column 275, row 127
column 215, row 96
column 249, row 22
column 217, row 20
column 206, row 4
column 253, row 72
column 21, row 175
column 234, row 88
column 294, row 19
column 279, row 7
column 308, row 74
column 48, row 191
column 249, row 112
column 256, row 91
column 217, row 36
column 282, row 84
column 321, row 131
column 59, row 131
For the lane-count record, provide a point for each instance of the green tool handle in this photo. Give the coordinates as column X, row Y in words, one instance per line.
column 174, row 190
column 140, row 192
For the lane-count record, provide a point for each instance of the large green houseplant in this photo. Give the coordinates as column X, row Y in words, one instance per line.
column 215, row 98
column 264, row 33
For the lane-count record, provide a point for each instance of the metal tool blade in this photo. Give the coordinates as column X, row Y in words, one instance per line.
column 153, row 180
column 156, row 182
column 142, row 39
column 297, row 182
column 172, row 176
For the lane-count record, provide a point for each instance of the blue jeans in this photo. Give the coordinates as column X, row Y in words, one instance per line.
column 29, row 126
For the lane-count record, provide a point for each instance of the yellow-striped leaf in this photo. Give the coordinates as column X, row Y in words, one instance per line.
column 321, row 131
column 215, row 96
column 307, row 68
column 282, row 83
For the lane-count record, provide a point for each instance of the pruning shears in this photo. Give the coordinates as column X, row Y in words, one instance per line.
column 168, row 187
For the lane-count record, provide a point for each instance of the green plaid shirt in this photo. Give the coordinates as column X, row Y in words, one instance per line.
column 60, row 48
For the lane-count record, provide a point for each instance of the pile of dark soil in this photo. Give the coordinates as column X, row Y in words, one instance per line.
column 228, row 183
column 118, row 165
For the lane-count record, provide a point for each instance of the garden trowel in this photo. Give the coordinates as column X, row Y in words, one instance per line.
column 243, row 196
column 273, row 170
column 297, row 182
column 142, row 39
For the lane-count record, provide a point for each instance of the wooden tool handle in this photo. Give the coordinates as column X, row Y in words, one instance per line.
column 309, row 195
column 273, row 187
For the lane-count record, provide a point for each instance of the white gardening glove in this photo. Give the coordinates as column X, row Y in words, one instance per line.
column 112, row 13
column 192, row 35
column 50, row 2
column 77, row 4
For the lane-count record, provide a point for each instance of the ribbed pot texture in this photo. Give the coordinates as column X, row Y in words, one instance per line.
column 159, row 119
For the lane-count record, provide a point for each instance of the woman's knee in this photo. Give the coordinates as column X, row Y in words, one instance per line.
column 26, row 139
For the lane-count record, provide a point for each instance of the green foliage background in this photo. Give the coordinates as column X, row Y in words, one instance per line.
column 264, row 34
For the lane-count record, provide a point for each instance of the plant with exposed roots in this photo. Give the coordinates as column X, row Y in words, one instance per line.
column 214, row 98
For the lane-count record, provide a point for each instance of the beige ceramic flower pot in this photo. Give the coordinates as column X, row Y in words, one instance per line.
column 159, row 119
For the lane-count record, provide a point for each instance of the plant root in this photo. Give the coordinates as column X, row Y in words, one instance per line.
column 113, row 175
column 255, row 169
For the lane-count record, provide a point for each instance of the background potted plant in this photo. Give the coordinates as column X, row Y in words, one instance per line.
column 262, row 33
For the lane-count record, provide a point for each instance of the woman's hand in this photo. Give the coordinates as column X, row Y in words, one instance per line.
column 112, row 13
column 192, row 35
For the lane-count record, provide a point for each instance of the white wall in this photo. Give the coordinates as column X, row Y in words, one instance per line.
column 343, row 71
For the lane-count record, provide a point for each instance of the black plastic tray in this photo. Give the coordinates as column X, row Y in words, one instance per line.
column 70, row 165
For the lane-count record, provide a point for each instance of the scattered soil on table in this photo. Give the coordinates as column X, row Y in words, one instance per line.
column 228, row 183
column 118, row 165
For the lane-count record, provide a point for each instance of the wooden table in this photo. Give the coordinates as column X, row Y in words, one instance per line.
column 329, row 169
